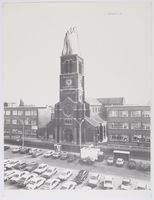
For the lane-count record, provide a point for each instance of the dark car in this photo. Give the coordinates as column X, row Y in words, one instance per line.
column 6, row 147
column 24, row 150
column 32, row 166
column 64, row 156
column 82, row 175
column 71, row 158
column 20, row 165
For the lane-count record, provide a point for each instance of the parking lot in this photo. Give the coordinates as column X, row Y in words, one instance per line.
column 102, row 168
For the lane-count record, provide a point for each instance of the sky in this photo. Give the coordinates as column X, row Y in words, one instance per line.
column 115, row 43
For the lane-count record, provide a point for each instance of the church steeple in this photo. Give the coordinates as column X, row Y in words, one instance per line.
column 71, row 43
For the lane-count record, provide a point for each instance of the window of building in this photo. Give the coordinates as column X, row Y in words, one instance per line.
column 147, row 139
column 27, row 121
column 67, row 121
column 136, row 126
column 27, row 113
column 123, row 113
column 113, row 113
column 33, row 122
column 7, row 121
column 122, row 138
column 14, row 121
column 136, row 113
column 118, row 125
column 146, row 113
column 20, row 112
column 14, row 131
column 146, row 126
column 136, row 138
column 14, row 112
column 7, row 112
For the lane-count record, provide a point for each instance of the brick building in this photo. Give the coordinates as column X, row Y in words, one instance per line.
column 128, row 125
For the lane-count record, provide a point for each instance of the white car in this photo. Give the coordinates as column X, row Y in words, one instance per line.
column 48, row 154
column 8, row 174
column 86, row 188
column 50, row 184
column 141, row 186
column 35, row 183
column 15, row 178
column 126, row 184
column 25, row 179
column 94, row 179
column 120, row 162
column 11, row 164
column 41, row 168
column 49, row 173
column 69, row 185
column 108, row 183
column 15, row 149
column 65, row 175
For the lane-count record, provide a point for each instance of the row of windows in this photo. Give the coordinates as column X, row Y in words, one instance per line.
column 17, row 131
column 95, row 109
column 134, row 138
column 125, row 113
column 134, row 126
column 21, row 112
column 20, row 122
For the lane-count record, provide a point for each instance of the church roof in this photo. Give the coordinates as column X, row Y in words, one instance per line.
column 95, row 120
column 93, row 101
column 111, row 101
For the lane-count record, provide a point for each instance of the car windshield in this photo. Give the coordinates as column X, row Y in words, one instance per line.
column 22, row 179
column 46, row 184
column 63, row 187
column 16, row 175
column 108, row 182
column 64, row 173
column 125, row 182
column 32, row 182
column 54, row 182
column 94, row 177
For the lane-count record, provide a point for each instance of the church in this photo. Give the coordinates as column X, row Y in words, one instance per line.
column 75, row 122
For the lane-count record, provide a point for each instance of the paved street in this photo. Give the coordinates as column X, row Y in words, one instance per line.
column 99, row 167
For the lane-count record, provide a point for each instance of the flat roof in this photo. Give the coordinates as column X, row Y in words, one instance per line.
column 119, row 151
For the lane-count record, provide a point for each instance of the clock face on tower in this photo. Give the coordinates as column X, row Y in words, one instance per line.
column 68, row 110
column 68, row 82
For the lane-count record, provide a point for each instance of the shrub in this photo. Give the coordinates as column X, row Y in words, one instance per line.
column 132, row 164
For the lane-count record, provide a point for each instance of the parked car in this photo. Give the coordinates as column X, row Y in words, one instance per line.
column 32, row 166
column 85, row 187
column 68, row 185
column 49, row 173
column 132, row 164
column 71, row 158
column 41, row 168
column 11, row 164
column 126, row 184
column 119, row 162
column 65, row 175
column 35, row 183
column 15, row 178
column 86, row 161
column 8, row 174
column 56, row 155
column 107, row 183
column 37, row 153
column 25, row 179
column 20, row 165
column 110, row 161
column 81, row 176
column 24, row 150
column 141, row 186
column 64, row 155
column 15, row 149
column 94, row 180
column 50, row 184
column 6, row 147
column 31, row 151
column 48, row 154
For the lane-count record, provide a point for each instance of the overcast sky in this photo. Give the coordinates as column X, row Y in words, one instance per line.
column 115, row 42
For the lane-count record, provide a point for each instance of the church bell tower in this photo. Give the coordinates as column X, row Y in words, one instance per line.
column 71, row 110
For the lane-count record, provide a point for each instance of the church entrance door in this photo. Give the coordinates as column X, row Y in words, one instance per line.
column 68, row 135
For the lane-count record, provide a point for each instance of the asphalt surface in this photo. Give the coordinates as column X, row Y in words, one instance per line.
column 99, row 167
